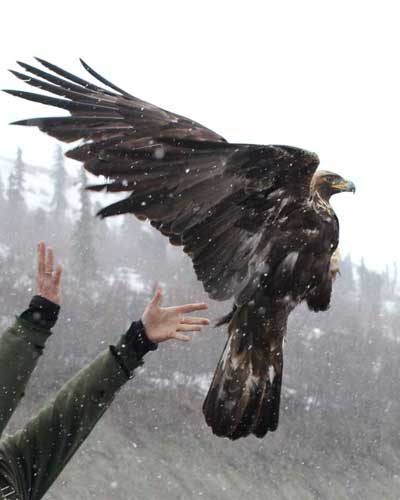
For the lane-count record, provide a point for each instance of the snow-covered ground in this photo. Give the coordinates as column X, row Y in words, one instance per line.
column 198, row 383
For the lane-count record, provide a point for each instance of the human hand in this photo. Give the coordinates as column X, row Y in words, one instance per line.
column 164, row 323
column 47, row 280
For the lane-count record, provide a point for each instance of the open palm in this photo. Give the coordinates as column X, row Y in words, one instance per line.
column 164, row 323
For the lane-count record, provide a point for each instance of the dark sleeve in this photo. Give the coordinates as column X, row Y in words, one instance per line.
column 134, row 340
column 20, row 347
column 34, row 457
column 41, row 312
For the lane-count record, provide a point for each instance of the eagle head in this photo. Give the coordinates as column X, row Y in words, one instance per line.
column 327, row 183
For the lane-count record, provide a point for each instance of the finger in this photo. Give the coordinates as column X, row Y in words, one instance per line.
column 158, row 296
column 192, row 320
column 41, row 256
column 50, row 260
column 188, row 328
column 180, row 336
column 57, row 275
column 187, row 308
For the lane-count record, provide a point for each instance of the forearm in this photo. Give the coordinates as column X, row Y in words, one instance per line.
column 42, row 449
column 20, row 348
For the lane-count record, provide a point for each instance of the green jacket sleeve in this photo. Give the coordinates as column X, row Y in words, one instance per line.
column 33, row 458
column 20, row 348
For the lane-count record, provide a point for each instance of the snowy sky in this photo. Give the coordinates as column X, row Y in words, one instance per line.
column 315, row 74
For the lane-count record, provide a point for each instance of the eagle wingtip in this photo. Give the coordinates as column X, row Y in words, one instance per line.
column 18, row 122
column 11, row 92
column 19, row 75
column 40, row 60
column 84, row 64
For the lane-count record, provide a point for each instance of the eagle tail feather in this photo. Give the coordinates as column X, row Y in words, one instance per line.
column 244, row 395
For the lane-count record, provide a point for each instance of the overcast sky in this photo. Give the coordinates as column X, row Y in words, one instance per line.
column 320, row 75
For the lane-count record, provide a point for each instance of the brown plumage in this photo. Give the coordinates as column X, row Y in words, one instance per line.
column 255, row 220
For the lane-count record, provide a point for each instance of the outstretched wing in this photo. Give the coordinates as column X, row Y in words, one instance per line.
column 98, row 113
column 224, row 203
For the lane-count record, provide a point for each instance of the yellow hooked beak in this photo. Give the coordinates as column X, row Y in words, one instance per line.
column 345, row 186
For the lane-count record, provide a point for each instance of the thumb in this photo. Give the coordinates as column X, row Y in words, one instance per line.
column 158, row 296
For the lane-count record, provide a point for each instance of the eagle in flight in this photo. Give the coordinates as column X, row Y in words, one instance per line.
column 255, row 220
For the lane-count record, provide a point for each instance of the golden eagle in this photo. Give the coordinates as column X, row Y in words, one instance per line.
column 255, row 220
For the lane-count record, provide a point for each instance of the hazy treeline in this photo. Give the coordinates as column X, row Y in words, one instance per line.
column 345, row 358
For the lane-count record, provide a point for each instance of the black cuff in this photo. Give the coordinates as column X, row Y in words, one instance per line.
column 41, row 312
column 132, row 346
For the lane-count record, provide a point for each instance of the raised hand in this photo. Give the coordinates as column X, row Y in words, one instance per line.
column 48, row 280
column 164, row 323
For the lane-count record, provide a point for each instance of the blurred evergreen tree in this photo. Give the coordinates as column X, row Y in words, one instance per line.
column 59, row 202
column 2, row 198
column 2, row 209
column 105, row 235
column 16, row 191
column 137, row 246
column 83, row 237
column 389, row 286
column 347, row 274
column 371, row 284
column 16, row 205
column 39, row 219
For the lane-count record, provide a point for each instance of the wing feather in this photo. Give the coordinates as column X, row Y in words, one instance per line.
column 224, row 203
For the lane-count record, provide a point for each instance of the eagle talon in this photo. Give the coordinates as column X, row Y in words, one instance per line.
column 334, row 268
